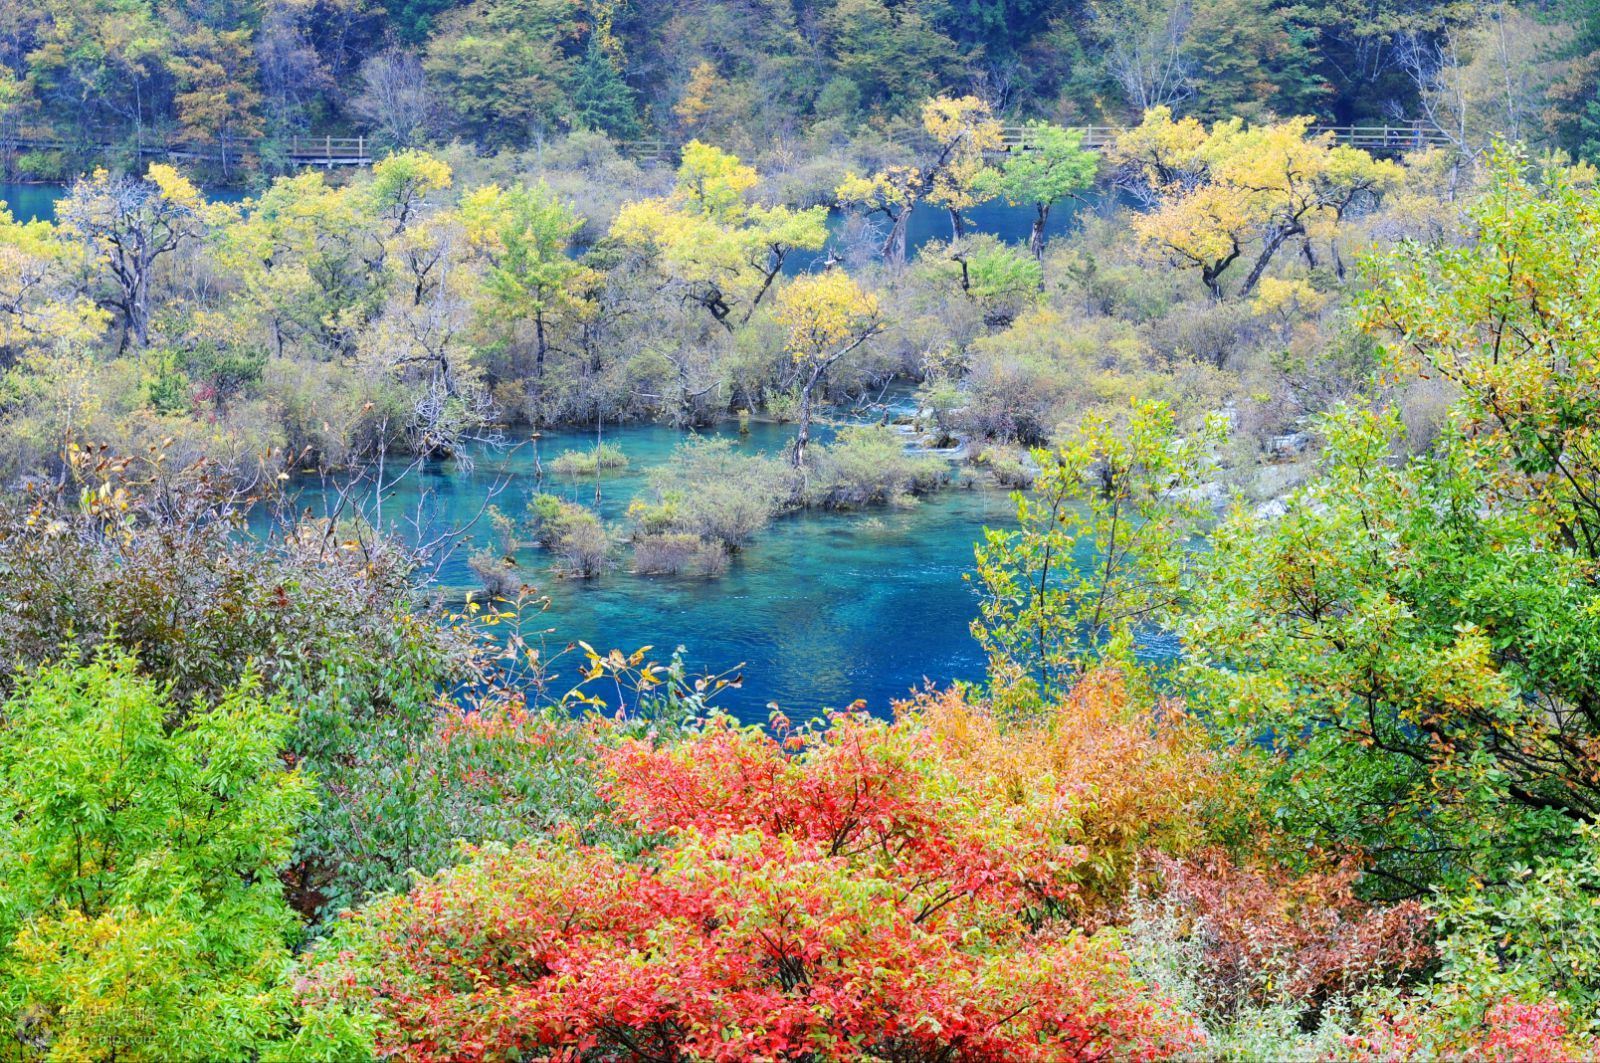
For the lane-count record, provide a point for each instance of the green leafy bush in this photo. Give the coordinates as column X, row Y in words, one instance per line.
column 140, row 841
column 869, row 465
column 712, row 491
column 604, row 457
column 574, row 534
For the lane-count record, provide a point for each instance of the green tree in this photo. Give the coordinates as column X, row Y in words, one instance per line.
column 1053, row 167
column 524, row 235
column 1001, row 279
column 1101, row 547
column 413, row 20
column 891, row 52
column 1589, row 130
column 1251, row 61
column 600, row 98
column 140, row 842
column 1418, row 638
column 502, row 67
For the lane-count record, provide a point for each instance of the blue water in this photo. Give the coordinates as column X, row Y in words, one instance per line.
column 821, row 609
column 30, row 202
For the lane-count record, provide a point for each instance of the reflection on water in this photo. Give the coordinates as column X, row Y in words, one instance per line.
column 821, row 609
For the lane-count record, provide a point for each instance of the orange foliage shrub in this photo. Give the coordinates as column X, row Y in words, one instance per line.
column 1119, row 776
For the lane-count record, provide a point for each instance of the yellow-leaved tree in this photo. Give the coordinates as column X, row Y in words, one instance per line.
column 825, row 317
column 712, row 240
column 963, row 130
column 1219, row 193
column 127, row 225
column 960, row 132
column 39, row 305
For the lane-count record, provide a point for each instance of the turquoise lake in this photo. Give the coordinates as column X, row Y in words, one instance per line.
column 29, row 202
column 821, row 609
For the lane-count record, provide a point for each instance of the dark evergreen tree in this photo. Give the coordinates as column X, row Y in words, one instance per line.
column 601, row 99
column 415, row 20
column 1589, row 131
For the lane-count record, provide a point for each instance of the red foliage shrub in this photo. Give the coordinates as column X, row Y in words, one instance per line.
column 863, row 791
column 1512, row 1031
column 1306, row 937
column 739, row 946
column 855, row 897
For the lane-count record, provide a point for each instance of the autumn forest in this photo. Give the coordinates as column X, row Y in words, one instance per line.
column 473, row 590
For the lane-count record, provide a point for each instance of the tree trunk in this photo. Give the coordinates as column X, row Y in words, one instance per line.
column 958, row 224
column 1269, row 248
column 138, row 314
column 1036, row 238
column 802, row 437
column 894, row 246
column 541, row 345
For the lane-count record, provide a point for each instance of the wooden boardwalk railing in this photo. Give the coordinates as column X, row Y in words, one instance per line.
column 326, row 151
column 1381, row 139
column 331, row 151
column 1392, row 139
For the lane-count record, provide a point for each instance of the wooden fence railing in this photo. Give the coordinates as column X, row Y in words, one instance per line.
column 331, row 151
column 1382, row 139
column 326, row 151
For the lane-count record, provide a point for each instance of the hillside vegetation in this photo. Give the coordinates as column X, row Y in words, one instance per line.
column 1321, row 420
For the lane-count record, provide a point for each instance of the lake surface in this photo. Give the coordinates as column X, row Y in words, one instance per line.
column 37, row 202
column 821, row 609
column 31, row 202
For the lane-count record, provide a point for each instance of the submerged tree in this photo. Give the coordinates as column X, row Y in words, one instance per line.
column 963, row 131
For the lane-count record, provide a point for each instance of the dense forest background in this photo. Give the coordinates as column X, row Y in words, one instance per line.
column 768, row 78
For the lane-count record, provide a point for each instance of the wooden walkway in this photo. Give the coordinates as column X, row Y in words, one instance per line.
column 1377, row 139
column 330, row 152
column 325, row 151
